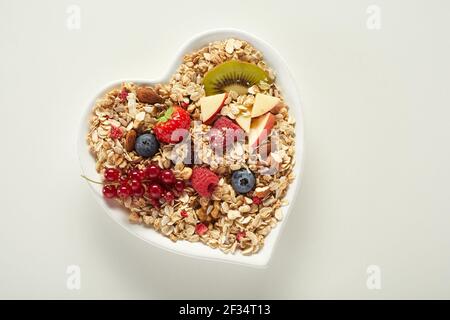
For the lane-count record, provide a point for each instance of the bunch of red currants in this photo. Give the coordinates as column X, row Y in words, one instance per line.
column 153, row 182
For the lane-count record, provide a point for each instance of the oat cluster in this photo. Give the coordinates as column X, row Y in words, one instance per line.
column 235, row 222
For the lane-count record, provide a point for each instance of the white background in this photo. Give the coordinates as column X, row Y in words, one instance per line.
column 376, row 186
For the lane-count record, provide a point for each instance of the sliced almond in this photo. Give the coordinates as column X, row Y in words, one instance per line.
column 262, row 192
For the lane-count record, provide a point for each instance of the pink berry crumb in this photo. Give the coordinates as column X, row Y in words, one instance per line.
column 115, row 133
column 240, row 235
column 256, row 200
column 123, row 95
column 201, row 229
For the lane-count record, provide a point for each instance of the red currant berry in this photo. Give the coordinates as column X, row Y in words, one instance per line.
column 124, row 191
column 134, row 174
column 167, row 177
column 139, row 191
column 135, row 184
column 112, row 174
column 169, row 196
column 109, row 191
column 179, row 185
column 124, row 179
column 152, row 171
column 155, row 191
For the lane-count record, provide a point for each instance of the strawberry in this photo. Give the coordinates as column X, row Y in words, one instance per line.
column 224, row 132
column 204, row 181
column 173, row 126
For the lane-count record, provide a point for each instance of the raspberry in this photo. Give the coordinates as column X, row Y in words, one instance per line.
column 201, row 229
column 115, row 133
column 204, row 181
column 224, row 132
column 225, row 123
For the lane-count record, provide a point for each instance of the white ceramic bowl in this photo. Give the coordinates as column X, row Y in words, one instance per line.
column 199, row 250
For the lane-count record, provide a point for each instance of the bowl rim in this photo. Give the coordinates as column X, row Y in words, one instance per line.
column 258, row 260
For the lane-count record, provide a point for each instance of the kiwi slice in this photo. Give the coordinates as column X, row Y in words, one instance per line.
column 232, row 75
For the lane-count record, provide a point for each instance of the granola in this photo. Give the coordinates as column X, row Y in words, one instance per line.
column 225, row 219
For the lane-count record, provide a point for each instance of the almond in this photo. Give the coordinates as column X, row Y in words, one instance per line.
column 261, row 192
column 148, row 95
column 130, row 140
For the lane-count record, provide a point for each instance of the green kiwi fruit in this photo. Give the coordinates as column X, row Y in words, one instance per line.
column 232, row 75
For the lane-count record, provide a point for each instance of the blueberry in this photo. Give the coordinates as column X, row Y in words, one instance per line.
column 242, row 181
column 146, row 145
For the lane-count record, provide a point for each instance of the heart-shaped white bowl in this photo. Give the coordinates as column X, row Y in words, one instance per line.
column 199, row 250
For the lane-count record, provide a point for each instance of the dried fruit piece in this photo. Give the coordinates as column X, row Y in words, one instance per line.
column 184, row 213
column 115, row 133
column 204, row 181
column 130, row 139
column 201, row 229
column 123, row 95
column 256, row 200
column 148, row 95
column 240, row 235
